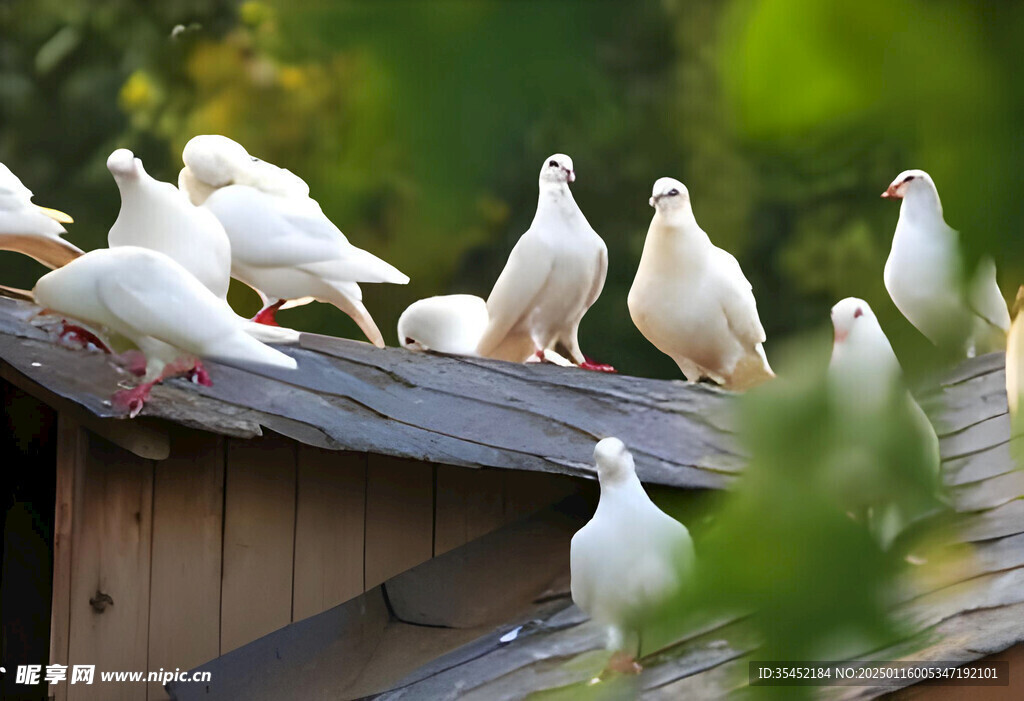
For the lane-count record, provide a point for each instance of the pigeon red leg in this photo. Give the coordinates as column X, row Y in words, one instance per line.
column 589, row 364
column 135, row 398
column 134, row 361
column 198, row 374
column 266, row 315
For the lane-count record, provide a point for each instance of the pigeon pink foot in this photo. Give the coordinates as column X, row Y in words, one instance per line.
column 589, row 364
column 133, row 399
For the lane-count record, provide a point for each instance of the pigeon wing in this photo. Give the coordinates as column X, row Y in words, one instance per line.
column 516, row 291
column 985, row 298
column 738, row 301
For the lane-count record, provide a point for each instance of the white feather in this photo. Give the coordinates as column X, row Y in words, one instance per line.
column 27, row 228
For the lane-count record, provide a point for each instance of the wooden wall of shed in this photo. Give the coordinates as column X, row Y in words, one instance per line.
column 228, row 540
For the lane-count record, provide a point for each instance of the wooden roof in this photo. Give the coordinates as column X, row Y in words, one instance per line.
column 349, row 395
column 976, row 611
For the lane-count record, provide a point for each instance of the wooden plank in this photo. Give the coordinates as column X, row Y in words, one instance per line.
column 528, row 492
column 188, row 520
column 329, row 529
column 143, row 437
column 71, row 452
column 110, row 563
column 469, row 504
column 259, row 539
column 399, row 516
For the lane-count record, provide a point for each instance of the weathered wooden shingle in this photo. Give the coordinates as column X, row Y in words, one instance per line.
column 348, row 395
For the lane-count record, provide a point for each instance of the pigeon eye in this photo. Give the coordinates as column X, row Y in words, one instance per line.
column 858, row 312
column 673, row 192
column 409, row 341
column 553, row 164
column 908, row 178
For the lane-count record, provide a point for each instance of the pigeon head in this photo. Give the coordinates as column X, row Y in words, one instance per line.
column 215, row 159
column 906, row 182
column 668, row 193
column 847, row 314
column 614, row 462
column 557, row 169
column 123, row 165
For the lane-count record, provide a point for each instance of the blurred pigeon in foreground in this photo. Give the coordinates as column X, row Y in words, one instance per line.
column 554, row 274
column 925, row 278
column 30, row 229
column 282, row 244
column 691, row 300
column 865, row 378
column 444, row 324
column 1015, row 356
column 629, row 557
column 153, row 301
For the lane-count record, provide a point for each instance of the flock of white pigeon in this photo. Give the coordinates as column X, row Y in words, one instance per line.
column 163, row 281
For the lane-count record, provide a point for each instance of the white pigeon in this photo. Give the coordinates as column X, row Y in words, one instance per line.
column 554, row 274
column 282, row 244
column 692, row 301
column 444, row 324
column 630, row 556
column 153, row 301
column 925, row 278
column 863, row 376
column 1015, row 356
column 156, row 215
column 30, row 229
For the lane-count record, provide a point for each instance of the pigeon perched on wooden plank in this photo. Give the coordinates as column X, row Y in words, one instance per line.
column 554, row 274
column 150, row 299
column 925, row 277
column 444, row 324
column 30, row 229
column 157, row 216
column 282, row 243
column 692, row 301
column 629, row 557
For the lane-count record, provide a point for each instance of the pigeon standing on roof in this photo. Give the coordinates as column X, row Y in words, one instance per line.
column 30, row 229
column 282, row 243
column 156, row 215
column 554, row 274
column 925, row 277
column 629, row 557
column 127, row 290
column 444, row 324
column 865, row 378
column 692, row 301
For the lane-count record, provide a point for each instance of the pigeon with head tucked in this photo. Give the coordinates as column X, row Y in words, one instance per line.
column 444, row 324
column 30, row 229
column 282, row 244
column 554, row 274
column 925, row 275
column 630, row 557
column 692, row 301
column 153, row 301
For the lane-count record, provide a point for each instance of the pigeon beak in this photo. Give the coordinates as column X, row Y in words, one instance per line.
column 839, row 337
column 890, row 193
column 571, row 177
column 653, row 201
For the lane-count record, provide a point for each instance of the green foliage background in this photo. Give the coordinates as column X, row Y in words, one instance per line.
column 420, row 127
